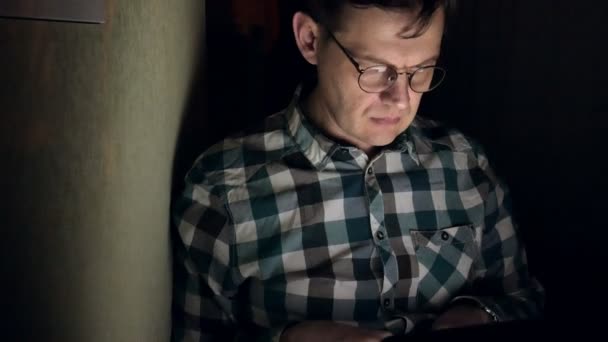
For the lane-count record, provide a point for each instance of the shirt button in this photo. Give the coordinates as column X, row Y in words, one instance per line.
column 380, row 235
column 387, row 303
column 445, row 236
column 370, row 171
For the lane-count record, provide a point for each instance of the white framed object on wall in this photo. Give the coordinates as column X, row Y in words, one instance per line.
column 84, row 11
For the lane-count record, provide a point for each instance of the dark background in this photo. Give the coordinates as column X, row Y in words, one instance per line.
column 525, row 78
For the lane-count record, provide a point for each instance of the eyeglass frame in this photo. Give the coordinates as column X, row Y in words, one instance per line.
column 409, row 75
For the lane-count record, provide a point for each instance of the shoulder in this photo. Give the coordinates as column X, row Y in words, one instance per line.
column 231, row 161
column 436, row 136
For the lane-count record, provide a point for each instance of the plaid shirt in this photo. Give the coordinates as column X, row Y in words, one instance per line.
column 281, row 224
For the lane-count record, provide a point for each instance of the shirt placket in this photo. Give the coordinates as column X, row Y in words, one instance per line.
column 380, row 238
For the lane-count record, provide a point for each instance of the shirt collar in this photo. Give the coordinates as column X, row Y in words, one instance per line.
column 315, row 146
column 318, row 148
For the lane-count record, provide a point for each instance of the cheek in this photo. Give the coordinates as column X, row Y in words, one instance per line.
column 415, row 101
column 364, row 105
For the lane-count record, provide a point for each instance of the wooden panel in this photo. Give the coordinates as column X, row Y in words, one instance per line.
column 84, row 238
column 89, row 11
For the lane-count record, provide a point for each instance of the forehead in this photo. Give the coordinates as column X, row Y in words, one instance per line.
column 378, row 32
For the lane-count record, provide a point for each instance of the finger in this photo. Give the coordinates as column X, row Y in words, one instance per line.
column 381, row 335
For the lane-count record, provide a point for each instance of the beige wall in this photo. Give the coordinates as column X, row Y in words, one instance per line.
column 89, row 119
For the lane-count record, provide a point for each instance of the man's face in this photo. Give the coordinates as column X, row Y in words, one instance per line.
column 372, row 36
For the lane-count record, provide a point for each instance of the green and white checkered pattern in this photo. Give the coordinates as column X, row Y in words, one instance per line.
column 281, row 224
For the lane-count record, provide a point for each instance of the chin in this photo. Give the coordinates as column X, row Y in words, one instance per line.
column 382, row 140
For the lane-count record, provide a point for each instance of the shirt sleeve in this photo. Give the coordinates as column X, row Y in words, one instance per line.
column 206, row 277
column 205, row 281
column 501, row 282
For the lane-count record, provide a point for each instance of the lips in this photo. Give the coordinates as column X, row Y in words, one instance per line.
column 387, row 120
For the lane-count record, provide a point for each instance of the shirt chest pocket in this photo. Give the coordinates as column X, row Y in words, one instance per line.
column 444, row 257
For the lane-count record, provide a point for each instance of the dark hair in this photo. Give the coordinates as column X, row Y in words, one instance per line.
column 328, row 12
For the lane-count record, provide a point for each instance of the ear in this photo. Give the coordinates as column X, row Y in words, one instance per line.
column 307, row 34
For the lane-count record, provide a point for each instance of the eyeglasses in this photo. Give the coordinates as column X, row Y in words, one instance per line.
column 379, row 78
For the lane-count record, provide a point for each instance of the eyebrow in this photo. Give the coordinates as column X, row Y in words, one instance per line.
column 377, row 61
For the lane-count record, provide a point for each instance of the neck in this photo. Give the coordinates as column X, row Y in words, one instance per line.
column 319, row 113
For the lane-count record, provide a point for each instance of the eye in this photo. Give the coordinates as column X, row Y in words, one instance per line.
column 378, row 69
column 425, row 69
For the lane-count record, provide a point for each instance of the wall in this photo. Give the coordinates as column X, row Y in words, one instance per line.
column 90, row 116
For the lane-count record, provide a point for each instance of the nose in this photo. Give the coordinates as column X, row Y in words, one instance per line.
column 398, row 94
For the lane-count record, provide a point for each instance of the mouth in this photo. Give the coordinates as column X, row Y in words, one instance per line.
column 389, row 120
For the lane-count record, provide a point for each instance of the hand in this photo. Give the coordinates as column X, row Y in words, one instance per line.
column 461, row 315
column 321, row 331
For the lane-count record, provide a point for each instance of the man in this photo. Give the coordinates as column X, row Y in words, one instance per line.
column 346, row 217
